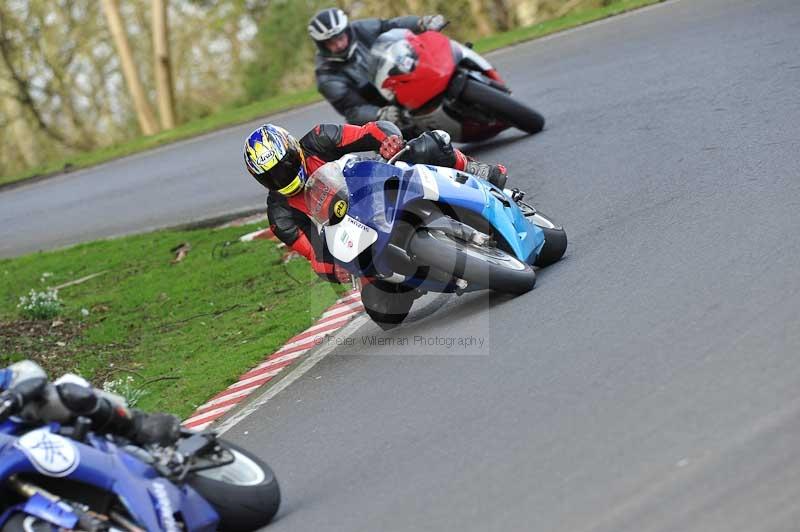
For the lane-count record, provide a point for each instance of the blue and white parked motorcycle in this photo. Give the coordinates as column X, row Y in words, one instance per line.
column 65, row 476
column 421, row 228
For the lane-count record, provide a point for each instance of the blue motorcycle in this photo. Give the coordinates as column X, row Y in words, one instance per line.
column 413, row 229
column 65, row 476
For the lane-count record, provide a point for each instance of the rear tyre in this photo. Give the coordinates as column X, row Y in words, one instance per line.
column 485, row 266
column 244, row 493
column 502, row 106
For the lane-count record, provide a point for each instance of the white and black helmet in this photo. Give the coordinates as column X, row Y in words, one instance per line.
column 327, row 24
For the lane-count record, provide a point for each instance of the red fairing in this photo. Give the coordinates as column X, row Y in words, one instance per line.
column 432, row 74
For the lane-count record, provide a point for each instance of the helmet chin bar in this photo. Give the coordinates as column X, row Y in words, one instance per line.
column 342, row 56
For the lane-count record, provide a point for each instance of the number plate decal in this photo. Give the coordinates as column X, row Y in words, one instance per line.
column 348, row 238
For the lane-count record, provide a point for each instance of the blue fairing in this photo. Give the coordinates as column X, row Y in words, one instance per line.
column 148, row 497
column 54, row 512
column 365, row 180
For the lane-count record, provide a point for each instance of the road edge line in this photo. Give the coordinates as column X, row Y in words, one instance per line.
column 309, row 362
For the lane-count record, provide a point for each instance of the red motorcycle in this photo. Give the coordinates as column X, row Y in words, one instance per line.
column 443, row 84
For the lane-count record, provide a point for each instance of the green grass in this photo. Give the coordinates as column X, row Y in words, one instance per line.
column 570, row 20
column 255, row 110
column 198, row 324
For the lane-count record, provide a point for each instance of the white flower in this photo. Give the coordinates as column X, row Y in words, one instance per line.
column 125, row 387
column 40, row 305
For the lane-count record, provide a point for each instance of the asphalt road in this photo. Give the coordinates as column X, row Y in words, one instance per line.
column 650, row 382
column 184, row 182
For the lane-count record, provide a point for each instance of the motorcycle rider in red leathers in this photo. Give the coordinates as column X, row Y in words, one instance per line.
column 282, row 164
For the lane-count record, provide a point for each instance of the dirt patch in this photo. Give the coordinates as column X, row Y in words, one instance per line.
column 52, row 344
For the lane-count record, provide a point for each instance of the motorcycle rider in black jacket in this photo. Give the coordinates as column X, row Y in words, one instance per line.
column 342, row 62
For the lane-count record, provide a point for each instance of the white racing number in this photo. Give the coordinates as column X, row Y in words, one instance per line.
column 348, row 238
column 430, row 188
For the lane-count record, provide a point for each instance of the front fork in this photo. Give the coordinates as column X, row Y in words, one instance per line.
column 47, row 506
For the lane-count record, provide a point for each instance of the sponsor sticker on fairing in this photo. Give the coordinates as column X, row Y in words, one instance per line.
column 52, row 455
column 164, row 506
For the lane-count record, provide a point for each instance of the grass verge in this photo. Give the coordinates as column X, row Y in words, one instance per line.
column 254, row 110
column 570, row 20
column 188, row 329
column 194, row 128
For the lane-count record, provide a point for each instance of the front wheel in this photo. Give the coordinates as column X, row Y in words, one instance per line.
column 555, row 238
column 244, row 493
column 485, row 266
column 502, row 106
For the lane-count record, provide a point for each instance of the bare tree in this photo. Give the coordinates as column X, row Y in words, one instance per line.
column 163, row 69
column 144, row 113
column 524, row 11
column 20, row 86
column 17, row 123
column 480, row 16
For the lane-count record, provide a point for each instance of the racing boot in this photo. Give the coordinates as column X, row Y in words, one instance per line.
column 495, row 174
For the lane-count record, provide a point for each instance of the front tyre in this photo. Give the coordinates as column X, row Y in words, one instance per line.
column 502, row 106
column 485, row 266
column 555, row 240
column 387, row 304
column 244, row 493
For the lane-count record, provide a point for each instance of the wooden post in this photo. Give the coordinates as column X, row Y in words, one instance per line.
column 144, row 113
column 166, row 98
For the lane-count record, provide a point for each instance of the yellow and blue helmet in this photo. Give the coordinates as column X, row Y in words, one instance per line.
column 275, row 159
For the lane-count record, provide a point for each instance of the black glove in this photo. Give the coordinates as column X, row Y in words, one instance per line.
column 140, row 427
column 14, row 399
column 432, row 23
column 390, row 113
column 432, row 147
column 158, row 427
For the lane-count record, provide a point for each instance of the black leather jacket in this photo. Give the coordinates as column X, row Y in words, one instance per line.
column 346, row 84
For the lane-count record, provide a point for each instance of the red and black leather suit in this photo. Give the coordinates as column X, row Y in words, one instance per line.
column 288, row 217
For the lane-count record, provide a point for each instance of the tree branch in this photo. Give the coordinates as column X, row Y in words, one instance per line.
column 23, row 95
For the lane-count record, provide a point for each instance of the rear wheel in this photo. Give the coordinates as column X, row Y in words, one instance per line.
column 244, row 493
column 502, row 106
column 482, row 265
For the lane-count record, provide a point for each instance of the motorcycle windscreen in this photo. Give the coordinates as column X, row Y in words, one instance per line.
column 326, row 194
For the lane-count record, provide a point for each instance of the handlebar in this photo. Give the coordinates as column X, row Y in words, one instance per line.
column 7, row 409
column 69, row 403
column 398, row 154
column 14, row 399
